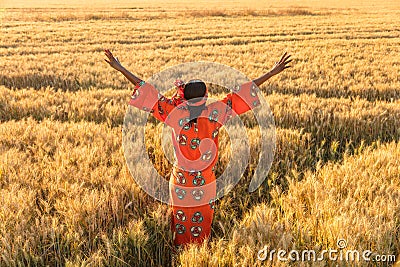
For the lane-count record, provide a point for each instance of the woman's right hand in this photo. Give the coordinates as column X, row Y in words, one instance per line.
column 281, row 64
column 112, row 61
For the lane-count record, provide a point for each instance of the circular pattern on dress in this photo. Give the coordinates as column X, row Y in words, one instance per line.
column 180, row 215
column 180, row 178
column 197, row 194
column 213, row 116
column 180, row 228
column 182, row 139
column 236, row 88
column 206, row 156
column 196, row 230
column 197, row 217
column 181, row 193
column 212, row 203
column 195, row 143
column 182, row 122
column 199, row 180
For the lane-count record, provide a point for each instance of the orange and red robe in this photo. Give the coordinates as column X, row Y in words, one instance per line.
column 192, row 182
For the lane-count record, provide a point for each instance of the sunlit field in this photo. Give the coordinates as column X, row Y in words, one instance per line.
column 67, row 197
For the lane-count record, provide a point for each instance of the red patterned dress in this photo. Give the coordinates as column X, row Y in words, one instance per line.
column 193, row 182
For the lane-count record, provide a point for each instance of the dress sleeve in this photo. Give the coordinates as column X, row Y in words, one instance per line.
column 147, row 98
column 242, row 99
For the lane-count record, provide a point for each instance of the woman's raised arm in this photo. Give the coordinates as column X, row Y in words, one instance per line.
column 114, row 63
column 245, row 97
column 276, row 69
column 144, row 96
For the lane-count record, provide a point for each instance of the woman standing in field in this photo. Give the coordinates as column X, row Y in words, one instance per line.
column 195, row 128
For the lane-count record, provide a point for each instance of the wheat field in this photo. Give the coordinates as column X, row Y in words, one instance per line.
column 67, row 197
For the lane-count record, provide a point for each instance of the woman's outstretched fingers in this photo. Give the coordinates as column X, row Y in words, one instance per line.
column 287, row 61
column 111, row 60
column 108, row 53
column 281, row 64
column 286, row 58
column 281, row 60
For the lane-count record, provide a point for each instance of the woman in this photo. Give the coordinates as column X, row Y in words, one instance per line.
column 195, row 128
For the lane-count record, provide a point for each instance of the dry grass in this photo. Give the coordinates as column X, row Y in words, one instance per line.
column 67, row 196
column 324, row 206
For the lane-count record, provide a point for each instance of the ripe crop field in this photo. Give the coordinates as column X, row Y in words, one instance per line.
column 67, row 197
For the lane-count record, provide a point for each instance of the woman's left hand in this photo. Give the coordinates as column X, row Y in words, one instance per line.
column 281, row 64
column 112, row 61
